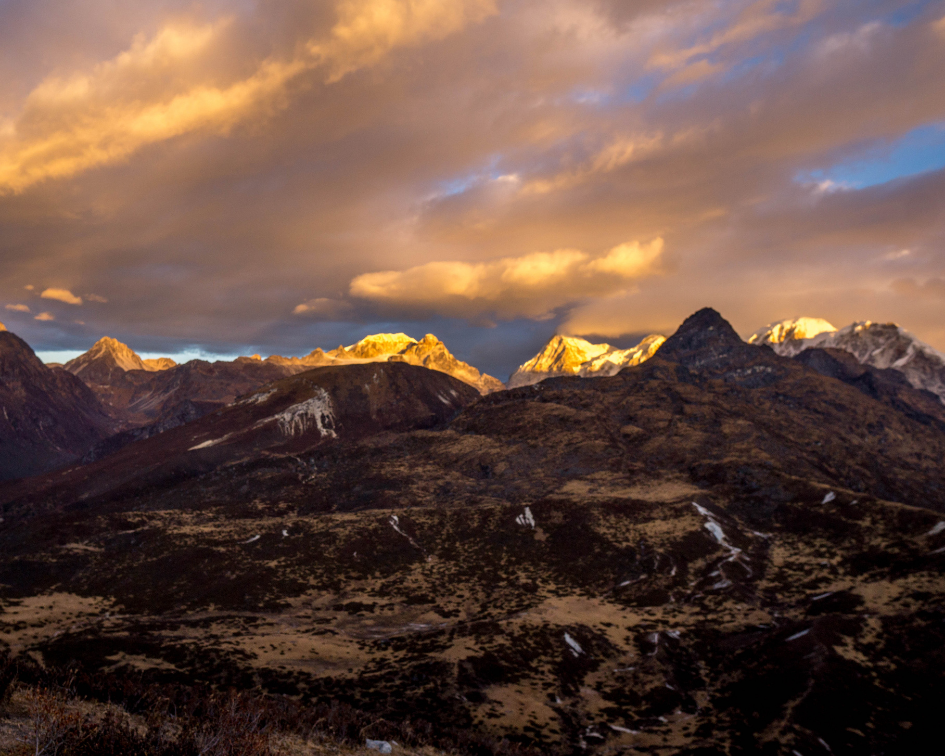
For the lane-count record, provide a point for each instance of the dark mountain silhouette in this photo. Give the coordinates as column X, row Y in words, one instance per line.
column 48, row 417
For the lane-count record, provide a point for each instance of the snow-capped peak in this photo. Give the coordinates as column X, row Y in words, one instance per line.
column 881, row 345
column 569, row 355
column 379, row 344
column 564, row 354
column 793, row 329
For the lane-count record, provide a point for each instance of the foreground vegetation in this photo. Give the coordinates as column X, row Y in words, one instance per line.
column 46, row 711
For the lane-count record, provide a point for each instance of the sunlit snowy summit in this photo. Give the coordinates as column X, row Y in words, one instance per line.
column 568, row 355
column 881, row 345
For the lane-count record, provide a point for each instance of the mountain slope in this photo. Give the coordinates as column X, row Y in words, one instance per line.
column 881, row 345
column 568, row 355
column 49, row 417
column 720, row 550
column 296, row 413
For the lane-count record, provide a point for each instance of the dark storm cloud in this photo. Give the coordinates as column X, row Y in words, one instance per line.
column 281, row 175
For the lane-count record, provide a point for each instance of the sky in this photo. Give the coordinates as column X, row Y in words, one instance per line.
column 227, row 177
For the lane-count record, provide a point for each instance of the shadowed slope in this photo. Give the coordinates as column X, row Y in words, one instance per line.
column 49, row 417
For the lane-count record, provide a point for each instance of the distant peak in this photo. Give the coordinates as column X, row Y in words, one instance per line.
column 792, row 329
column 108, row 353
column 156, row 364
column 108, row 344
column 2, row 327
column 379, row 344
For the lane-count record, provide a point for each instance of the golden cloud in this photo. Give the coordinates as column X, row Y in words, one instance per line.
column 322, row 307
column 61, row 295
column 153, row 91
column 620, row 151
column 45, row 316
column 369, row 29
column 528, row 286
column 18, row 307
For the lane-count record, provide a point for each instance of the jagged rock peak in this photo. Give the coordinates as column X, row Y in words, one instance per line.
column 792, row 329
column 705, row 329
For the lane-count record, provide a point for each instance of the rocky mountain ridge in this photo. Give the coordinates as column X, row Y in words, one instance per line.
column 880, row 345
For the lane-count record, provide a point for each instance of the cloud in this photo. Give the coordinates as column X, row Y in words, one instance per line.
column 61, row 295
column 167, row 86
column 18, row 307
column 96, row 298
column 45, row 316
column 214, row 174
column 756, row 19
column 932, row 288
column 324, row 308
column 532, row 285
column 142, row 96
column 367, row 30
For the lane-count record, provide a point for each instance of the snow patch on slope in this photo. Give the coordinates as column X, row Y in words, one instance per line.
column 257, row 398
column 212, row 442
column 316, row 412
column 526, row 519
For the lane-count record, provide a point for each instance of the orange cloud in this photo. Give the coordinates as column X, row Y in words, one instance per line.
column 62, row 295
column 933, row 288
column 18, row 307
column 369, row 29
column 153, row 91
column 324, row 308
column 528, row 286
column 939, row 26
column 45, row 316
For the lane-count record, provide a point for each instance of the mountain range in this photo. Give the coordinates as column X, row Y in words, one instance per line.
column 718, row 550
column 139, row 398
column 881, row 345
